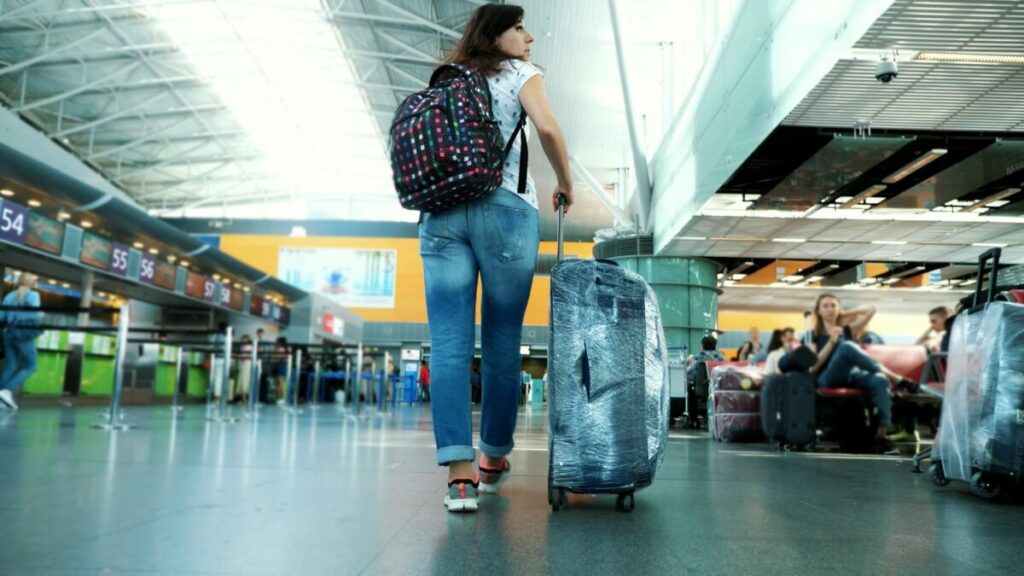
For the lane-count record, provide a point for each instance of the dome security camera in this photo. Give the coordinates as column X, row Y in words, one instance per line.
column 886, row 71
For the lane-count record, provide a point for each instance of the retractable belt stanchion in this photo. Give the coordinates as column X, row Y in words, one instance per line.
column 224, row 413
column 175, row 407
column 211, row 383
column 115, row 422
column 254, row 384
column 357, row 388
column 348, row 382
column 297, row 383
column 384, row 383
column 314, row 403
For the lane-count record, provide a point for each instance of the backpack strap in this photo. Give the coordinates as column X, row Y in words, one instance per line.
column 524, row 150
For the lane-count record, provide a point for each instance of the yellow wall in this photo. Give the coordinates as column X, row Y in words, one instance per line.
column 262, row 253
column 882, row 323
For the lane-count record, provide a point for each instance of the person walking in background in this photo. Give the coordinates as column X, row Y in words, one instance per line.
column 19, row 339
column 424, row 380
column 244, row 364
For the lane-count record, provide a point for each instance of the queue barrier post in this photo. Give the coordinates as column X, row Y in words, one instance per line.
column 115, row 422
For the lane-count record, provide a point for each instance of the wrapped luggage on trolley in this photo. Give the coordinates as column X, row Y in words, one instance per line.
column 608, row 379
column 981, row 432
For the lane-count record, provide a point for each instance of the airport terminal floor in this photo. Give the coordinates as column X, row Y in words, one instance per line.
column 330, row 492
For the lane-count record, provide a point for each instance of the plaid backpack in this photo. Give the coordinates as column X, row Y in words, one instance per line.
column 446, row 146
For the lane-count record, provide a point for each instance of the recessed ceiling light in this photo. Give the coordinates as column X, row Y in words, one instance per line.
column 86, row 224
column 921, row 161
column 815, row 279
column 890, row 242
column 171, row 258
column 65, row 285
column 154, row 251
column 216, row 276
column 35, row 203
column 790, row 240
column 63, row 216
column 989, row 245
column 183, row 263
column 139, row 245
column 246, row 289
column 6, row 193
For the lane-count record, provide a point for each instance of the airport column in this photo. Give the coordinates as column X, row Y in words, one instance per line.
column 687, row 288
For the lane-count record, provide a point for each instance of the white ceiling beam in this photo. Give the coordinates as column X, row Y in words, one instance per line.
column 10, row 14
column 184, row 160
column 129, row 6
column 408, row 47
column 108, row 118
column 420, row 19
column 84, row 87
column 46, row 55
column 202, row 177
column 131, row 143
column 415, row 80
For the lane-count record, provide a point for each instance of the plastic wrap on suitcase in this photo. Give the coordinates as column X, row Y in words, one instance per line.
column 736, row 402
column 982, row 425
column 737, row 427
column 736, row 378
column 608, row 379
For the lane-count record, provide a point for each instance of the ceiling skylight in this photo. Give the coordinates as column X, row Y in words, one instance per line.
column 281, row 69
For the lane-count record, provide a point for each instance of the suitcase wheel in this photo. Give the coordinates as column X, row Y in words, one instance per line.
column 625, row 502
column 984, row 486
column 937, row 474
column 556, row 498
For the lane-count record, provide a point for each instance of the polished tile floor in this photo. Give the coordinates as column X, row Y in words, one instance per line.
column 328, row 493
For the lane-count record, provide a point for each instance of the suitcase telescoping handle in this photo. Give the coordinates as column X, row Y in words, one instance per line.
column 561, row 216
column 993, row 279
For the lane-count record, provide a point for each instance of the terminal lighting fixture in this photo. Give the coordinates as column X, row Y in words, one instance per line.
column 693, row 238
column 991, row 199
column 813, row 279
column 154, row 251
column 216, row 276
column 793, row 278
column 789, row 240
column 890, row 242
column 246, row 289
column 6, row 193
column 738, row 276
column 63, row 215
column 971, row 57
column 172, row 258
column 921, row 161
column 35, row 203
column 863, row 196
column 989, row 245
column 86, row 224
column 892, row 280
column 183, row 263
column 139, row 245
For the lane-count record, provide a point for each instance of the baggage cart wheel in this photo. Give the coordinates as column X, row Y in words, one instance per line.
column 984, row 486
column 937, row 474
column 625, row 502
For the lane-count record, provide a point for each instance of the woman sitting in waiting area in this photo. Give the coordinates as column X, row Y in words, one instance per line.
column 841, row 363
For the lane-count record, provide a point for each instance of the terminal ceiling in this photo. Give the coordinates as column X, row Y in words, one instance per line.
column 281, row 109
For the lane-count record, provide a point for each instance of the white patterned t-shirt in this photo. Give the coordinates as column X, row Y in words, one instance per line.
column 505, row 106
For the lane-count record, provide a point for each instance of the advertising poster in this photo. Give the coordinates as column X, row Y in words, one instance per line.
column 44, row 234
column 96, row 251
column 353, row 278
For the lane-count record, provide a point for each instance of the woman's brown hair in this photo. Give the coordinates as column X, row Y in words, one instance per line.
column 478, row 47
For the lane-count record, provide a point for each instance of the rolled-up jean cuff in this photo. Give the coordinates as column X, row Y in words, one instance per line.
column 450, row 454
column 496, row 451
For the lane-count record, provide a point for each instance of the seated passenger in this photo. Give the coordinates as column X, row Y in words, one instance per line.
column 776, row 350
column 708, row 352
column 789, row 339
column 841, row 363
column 932, row 338
column 752, row 347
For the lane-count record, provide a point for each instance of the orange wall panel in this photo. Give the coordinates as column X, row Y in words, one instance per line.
column 262, row 252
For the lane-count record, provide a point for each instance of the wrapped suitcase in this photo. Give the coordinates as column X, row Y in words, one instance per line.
column 734, row 411
column 608, row 382
column 981, row 431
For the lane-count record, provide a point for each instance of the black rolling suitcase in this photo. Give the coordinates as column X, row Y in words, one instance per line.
column 608, row 391
column 787, row 410
column 981, row 432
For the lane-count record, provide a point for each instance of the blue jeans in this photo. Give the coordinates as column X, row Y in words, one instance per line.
column 19, row 362
column 850, row 366
column 495, row 239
